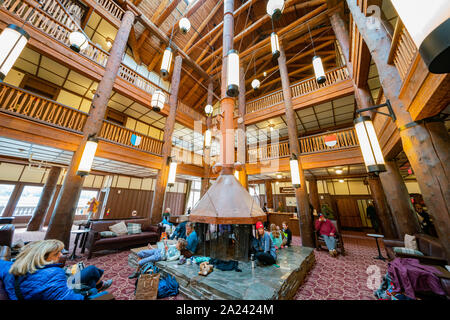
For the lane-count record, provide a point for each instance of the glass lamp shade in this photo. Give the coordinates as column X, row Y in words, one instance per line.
column 275, row 45
column 185, row 25
column 368, row 142
column 13, row 39
column 318, row 70
column 158, row 100
column 208, row 138
column 209, row 110
column 236, row 174
column 428, row 24
column 295, row 172
column 255, row 84
column 172, row 174
column 87, row 158
column 274, row 8
column 166, row 62
column 233, row 73
column 78, row 41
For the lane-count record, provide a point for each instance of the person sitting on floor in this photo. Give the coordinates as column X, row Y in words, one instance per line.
column 264, row 247
column 275, row 236
column 167, row 253
column 192, row 241
column 287, row 234
column 327, row 230
column 40, row 276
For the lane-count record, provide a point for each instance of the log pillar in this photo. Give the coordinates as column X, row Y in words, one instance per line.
column 163, row 173
column 269, row 195
column 64, row 212
column 314, row 194
column 36, row 221
column 382, row 207
column 399, row 201
column 207, row 151
column 241, row 140
column 430, row 164
column 306, row 223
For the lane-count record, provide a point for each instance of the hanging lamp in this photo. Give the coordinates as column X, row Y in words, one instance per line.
column 274, row 9
column 233, row 73
column 185, row 25
column 13, row 40
column 255, row 83
column 317, row 64
column 209, row 110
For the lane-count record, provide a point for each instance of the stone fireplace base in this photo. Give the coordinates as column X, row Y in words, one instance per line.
column 261, row 283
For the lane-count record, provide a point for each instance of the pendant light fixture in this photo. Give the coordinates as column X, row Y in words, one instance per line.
column 208, row 138
column 274, row 44
column 368, row 142
column 78, row 41
column 317, row 64
column 233, row 73
column 172, row 172
column 209, row 110
column 428, row 24
column 88, row 155
column 255, row 83
column 13, row 39
column 274, row 9
column 166, row 62
column 158, row 100
column 295, row 172
column 185, row 25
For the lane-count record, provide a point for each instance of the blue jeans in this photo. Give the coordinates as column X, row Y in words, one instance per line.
column 151, row 255
column 330, row 242
column 89, row 276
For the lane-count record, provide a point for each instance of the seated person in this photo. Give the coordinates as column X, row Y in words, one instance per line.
column 287, row 234
column 41, row 277
column 180, row 231
column 264, row 247
column 167, row 252
column 275, row 236
column 166, row 215
column 192, row 241
column 327, row 230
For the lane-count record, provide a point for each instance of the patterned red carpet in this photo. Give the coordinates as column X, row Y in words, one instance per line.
column 341, row 278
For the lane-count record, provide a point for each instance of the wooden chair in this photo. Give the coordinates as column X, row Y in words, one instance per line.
column 339, row 242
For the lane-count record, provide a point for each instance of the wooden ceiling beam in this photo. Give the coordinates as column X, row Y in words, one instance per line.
column 203, row 25
column 154, row 61
column 160, row 17
column 133, row 44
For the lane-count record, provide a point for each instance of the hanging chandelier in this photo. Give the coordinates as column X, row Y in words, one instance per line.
column 13, row 40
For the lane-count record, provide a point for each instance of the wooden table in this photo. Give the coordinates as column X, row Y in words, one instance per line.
column 376, row 236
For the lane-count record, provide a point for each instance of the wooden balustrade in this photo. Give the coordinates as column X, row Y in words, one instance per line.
column 121, row 135
column 403, row 50
column 112, row 8
column 298, row 89
column 34, row 107
column 311, row 144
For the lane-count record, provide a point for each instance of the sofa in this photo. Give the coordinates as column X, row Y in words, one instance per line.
column 150, row 234
column 6, row 234
column 431, row 247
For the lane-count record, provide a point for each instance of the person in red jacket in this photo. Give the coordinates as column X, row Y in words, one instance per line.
column 327, row 231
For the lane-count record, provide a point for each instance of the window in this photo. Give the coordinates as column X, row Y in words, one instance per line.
column 28, row 201
column 194, row 195
column 85, row 197
column 5, row 193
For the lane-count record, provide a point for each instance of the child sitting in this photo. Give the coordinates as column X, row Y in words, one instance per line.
column 287, row 234
column 275, row 235
column 168, row 253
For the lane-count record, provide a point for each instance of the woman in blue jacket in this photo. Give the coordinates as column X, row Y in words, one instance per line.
column 39, row 276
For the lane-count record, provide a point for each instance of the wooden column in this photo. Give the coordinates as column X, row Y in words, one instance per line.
column 63, row 215
column 207, row 151
column 382, row 207
column 314, row 194
column 163, row 173
column 306, row 227
column 430, row 164
column 404, row 216
column 269, row 195
column 241, row 149
column 36, row 221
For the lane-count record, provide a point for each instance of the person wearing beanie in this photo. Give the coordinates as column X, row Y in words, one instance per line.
column 265, row 249
column 327, row 231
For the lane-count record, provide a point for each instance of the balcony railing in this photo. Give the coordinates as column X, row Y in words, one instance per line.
column 403, row 50
column 345, row 138
column 34, row 107
column 24, row 211
column 53, row 21
column 112, row 8
column 297, row 89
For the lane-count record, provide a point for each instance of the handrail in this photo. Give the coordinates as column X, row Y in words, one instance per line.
column 298, row 89
column 345, row 138
column 403, row 50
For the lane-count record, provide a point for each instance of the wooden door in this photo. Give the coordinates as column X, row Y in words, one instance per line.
column 349, row 213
